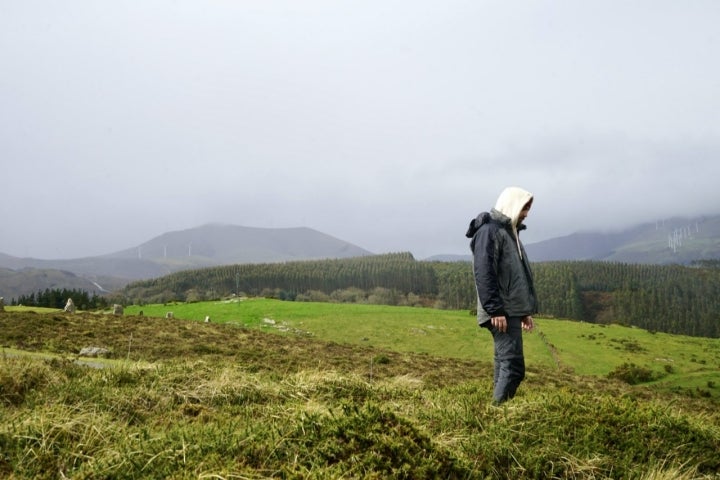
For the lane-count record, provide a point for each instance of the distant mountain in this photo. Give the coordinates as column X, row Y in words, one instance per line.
column 204, row 246
column 217, row 244
column 670, row 241
column 674, row 240
column 14, row 283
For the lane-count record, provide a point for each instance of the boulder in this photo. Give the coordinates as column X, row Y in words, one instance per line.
column 94, row 352
column 70, row 306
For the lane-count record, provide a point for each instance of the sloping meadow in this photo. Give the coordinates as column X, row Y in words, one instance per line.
column 186, row 400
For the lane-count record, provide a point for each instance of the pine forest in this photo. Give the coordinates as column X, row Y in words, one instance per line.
column 667, row 298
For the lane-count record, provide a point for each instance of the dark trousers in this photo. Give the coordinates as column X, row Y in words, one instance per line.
column 509, row 359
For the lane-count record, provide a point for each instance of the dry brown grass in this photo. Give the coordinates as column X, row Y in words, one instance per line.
column 199, row 400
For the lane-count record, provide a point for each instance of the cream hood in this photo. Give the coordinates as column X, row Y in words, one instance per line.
column 510, row 203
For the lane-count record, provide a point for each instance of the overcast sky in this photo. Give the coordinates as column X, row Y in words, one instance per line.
column 388, row 124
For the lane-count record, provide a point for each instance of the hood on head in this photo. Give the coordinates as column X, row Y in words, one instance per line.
column 511, row 202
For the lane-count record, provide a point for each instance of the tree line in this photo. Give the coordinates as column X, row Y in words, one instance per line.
column 670, row 298
column 395, row 271
column 57, row 298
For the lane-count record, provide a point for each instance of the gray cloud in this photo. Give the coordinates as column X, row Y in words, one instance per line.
column 388, row 124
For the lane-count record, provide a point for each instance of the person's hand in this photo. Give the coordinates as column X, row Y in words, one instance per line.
column 527, row 323
column 500, row 323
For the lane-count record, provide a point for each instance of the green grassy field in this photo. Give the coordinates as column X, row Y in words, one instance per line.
column 272, row 389
column 583, row 348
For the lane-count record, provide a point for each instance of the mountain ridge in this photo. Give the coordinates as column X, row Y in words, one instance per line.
column 680, row 240
column 203, row 246
column 223, row 243
column 676, row 240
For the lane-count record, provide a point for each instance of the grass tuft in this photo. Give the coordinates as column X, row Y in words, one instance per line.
column 255, row 404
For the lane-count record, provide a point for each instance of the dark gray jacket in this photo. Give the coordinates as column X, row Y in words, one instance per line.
column 503, row 277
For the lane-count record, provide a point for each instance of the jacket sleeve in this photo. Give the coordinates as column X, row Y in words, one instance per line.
column 485, row 264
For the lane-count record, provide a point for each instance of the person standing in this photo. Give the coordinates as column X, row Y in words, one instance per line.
column 504, row 283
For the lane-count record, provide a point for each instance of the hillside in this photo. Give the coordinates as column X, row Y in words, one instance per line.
column 680, row 240
column 677, row 240
column 205, row 246
column 674, row 240
column 14, row 283
column 656, row 297
column 217, row 244
column 187, row 399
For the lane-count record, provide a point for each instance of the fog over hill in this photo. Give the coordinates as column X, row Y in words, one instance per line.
column 388, row 124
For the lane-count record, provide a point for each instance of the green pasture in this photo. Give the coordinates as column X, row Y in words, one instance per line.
column 444, row 333
column 596, row 349
column 272, row 389
column 583, row 348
